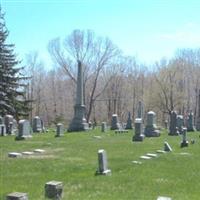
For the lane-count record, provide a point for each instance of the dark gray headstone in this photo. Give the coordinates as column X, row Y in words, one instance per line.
column 103, row 127
column 79, row 122
column 190, row 122
column 184, row 142
column 2, row 130
column 103, row 163
column 151, row 129
column 173, row 124
column 37, row 124
column 53, row 190
column 167, row 147
column 129, row 122
column 138, row 130
column 115, row 122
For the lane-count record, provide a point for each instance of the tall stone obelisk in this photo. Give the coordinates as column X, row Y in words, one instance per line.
column 78, row 122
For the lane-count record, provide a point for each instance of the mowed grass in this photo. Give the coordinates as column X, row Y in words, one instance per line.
column 72, row 159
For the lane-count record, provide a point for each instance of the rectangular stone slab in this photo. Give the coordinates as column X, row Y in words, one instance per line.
column 14, row 154
column 161, row 151
column 153, row 155
column 27, row 153
column 164, row 198
column 17, row 196
column 39, row 151
column 145, row 157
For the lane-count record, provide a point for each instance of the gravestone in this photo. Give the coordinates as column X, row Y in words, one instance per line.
column 24, row 130
column 166, row 124
column 115, row 122
column 59, row 130
column 167, row 147
column 2, row 130
column 79, row 122
column 37, row 124
column 190, row 122
column 151, row 128
column 1, row 120
column 103, row 163
column 198, row 113
column 129, row 122
column 179, row 123
column 172, row 124
column 53, row 190
column 8, row 119
column 17, row 196
column 164, row 198
column 138, row 130
column 184, row 142
column 103, row 127
column 140, row 110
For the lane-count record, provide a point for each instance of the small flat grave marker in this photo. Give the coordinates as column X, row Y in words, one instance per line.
column 145, row 157
column 14, row 154
column 164, row 198
column 39, row 150
column 27, row 153
column 153, row 155
column 160, row 151
column 97, row 137
column 137, row 162
column 17, row 196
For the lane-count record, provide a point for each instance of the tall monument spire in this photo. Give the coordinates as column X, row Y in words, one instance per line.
column 78, row 122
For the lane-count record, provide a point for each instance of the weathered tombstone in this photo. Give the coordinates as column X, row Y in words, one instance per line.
column 190, row 122
column 129, row 122
column 167, row 147
column 184, row 142
column 2, row 129
column 115, row 122
column 37, row 124
column 166, row 124
column 24, row 130
column 59, row 130
column 179, row 123
column 90, row 124
column 103, row 163
column 7, row 120
column 103, row 127
column 17, row 196
column 151, row 128
column 79, row 122
column 163, row 198
column 140, row 110
column 53, row 190
column 138, row 130
column 172, row 126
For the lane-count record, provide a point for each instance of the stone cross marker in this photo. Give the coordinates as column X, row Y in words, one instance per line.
column 151, row 128
column 24, row 130
column 37, row 124
column 79, row 122
column 103, row 163
column 115, row 122
column 190, row 122
column 173, row 122
column 59, row 130
column 184, row 142
column 129, row 122
column 138, row 130
column 103, row 127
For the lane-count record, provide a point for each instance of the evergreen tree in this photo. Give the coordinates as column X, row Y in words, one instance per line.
column 12, row 90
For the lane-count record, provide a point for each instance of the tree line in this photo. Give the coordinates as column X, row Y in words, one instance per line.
column 113, row 82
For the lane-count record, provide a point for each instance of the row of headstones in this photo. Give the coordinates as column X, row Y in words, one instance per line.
column 22, row 129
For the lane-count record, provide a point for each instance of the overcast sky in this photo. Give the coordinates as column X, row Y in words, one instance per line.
column 148, row 29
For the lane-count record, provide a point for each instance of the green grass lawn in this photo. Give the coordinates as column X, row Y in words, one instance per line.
column 72, row 159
